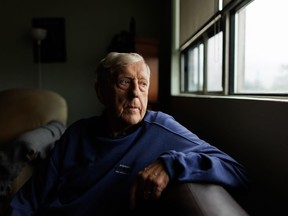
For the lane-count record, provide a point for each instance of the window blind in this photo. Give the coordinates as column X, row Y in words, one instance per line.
column 193, row 15
column 225, row 2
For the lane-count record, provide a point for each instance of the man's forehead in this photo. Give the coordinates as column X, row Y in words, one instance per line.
column 133, row 67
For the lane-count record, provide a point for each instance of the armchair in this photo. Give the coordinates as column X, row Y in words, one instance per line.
column 31, row 120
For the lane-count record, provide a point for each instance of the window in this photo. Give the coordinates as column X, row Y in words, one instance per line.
column 261, row 58
column 214, row 63
column 200, row 75
column 234, row 48
column 193, row 62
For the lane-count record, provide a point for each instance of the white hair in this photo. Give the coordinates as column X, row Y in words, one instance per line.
column 114, row 60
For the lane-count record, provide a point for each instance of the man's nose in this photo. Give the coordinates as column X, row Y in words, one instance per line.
column 135, row 89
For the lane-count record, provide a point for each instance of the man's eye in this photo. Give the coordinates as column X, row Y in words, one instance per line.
column 143, row 84
column 124, row 82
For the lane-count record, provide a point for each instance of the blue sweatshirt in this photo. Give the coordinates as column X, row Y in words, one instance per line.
column 89, row 173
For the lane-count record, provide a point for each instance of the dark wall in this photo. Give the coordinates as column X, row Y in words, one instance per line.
column 89, row 28
column 165, row 57
column 252, row 131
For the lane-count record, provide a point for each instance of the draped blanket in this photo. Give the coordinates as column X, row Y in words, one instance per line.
column 35, row 143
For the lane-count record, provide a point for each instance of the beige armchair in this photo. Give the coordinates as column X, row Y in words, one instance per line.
column 31, row 120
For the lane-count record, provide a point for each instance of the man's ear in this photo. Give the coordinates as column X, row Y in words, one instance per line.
column 99, row 91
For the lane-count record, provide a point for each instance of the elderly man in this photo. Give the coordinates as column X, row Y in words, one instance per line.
column 110, row 163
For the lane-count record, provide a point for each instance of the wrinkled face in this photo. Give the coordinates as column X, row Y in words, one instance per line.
column 126, row 100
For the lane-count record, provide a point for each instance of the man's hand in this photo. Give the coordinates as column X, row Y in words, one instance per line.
column 150, row 184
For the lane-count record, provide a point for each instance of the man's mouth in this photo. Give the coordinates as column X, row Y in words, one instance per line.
column 133, row 108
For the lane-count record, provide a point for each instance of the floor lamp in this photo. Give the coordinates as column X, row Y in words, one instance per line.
column 39, row 34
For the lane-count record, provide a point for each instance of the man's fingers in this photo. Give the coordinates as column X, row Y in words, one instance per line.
column 149, row 184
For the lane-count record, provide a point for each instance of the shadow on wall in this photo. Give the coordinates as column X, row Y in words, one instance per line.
column 253, row 132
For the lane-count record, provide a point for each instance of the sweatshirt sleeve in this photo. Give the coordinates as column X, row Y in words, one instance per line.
column 189, row 158
column 205, row 163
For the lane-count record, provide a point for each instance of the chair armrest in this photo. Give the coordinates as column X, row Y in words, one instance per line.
column 193, row 199
column 201, row 199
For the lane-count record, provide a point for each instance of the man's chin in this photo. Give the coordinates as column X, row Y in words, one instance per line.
column 132, row 119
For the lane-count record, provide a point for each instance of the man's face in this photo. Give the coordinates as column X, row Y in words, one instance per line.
column 127, row 98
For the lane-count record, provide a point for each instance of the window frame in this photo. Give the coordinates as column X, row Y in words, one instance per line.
column 226, row 20
column 203, row 39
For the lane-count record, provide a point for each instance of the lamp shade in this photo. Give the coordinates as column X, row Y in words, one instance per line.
column 39, row 33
